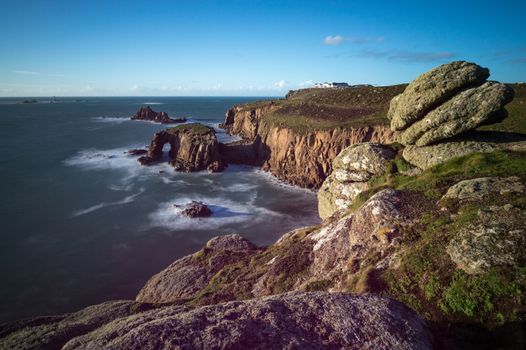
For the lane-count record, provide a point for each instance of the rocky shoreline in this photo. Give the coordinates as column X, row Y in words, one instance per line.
column 422, row 244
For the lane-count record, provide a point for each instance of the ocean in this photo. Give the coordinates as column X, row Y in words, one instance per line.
column 83, row 222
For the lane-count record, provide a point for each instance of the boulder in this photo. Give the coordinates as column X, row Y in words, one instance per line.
column 465, row 111
column 146, row 113
column 193, row 147
column 431, row 89
column 52, row 332
column 187, row 276
column 426, row 157
column 496, row 238
column 289, row 321
column 475, row 189
column 196, row 210
column 352, row 168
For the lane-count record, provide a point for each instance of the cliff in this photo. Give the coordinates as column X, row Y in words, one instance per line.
column 297, row 138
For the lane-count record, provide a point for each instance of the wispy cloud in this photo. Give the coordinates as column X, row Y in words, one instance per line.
column 408, row 56
column 338, row 39
column 306, row 83
column 28, row 72
column 280, row 85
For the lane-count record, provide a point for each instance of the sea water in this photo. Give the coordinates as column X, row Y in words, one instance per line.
column 83, row 222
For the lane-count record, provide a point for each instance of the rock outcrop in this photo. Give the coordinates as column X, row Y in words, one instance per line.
column 431, row 89
column 352, row 168
column 193, row 147
column 187, row 276
column 291, row 321
column 196, row 210
column 447, row 101
column 146, row 113
column 300, row 158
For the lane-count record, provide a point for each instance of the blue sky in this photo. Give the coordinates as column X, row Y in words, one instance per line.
column 255, row 48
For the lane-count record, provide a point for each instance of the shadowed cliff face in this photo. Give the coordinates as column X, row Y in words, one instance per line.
column 302, row 158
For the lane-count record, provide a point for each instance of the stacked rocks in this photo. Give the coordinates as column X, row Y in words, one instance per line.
column 352, row 168
column 447, row 101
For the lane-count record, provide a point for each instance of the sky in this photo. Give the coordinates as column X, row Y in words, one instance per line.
column 247, row 48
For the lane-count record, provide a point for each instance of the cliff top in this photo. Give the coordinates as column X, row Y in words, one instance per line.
column 196, row 128
column 323, row 109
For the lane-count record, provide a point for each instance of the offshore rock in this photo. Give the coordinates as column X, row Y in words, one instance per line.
column 146, row 113
column 196, row 210
column 352, row 168
column 193, row 147
column 431, row 89
column 466, row 111
column 288, row 321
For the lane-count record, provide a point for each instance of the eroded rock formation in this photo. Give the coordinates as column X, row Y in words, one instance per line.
column 447, row 101
column 352, row 168
column 193, row 147
column 146, row 113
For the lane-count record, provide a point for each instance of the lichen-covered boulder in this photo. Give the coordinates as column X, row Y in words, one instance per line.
column 465, row 111
column 497, row 238
column 431, row 89
column 185, row 277
column 475, row 189
column 352, row 168
column 287, row 321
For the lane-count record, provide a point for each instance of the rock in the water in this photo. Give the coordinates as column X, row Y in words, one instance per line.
column 193, row 147
column 475, row 189
column 288, row 321
column 146, row 113
column 184, row 278
column 196, row 210
column 137, row 152
column 352, row 168
column 433, row 88
column 496, row 239
column 465, row 111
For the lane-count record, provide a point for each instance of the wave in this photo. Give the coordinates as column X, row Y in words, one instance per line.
column 116, row 120
column 125, row 200
column 152, row 103
column 225, row 212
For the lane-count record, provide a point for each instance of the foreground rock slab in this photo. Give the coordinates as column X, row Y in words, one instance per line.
column 290, row 321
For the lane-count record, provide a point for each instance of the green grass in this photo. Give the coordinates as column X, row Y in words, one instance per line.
column 516, row 120
column 197, row 128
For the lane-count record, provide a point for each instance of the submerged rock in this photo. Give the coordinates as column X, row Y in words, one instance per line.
column 146, row 113
column 137, row 152
column 196, row 210
column 289, row 321
column 352, row 168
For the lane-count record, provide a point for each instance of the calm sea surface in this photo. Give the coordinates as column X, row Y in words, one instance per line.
column 82, row 222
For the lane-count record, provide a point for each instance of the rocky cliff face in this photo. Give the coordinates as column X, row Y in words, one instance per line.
column 193, row 147
column 300, row 158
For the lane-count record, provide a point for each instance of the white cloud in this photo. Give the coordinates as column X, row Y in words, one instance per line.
column 27, row 72
column 280, row 85
column 338, row 39
column 333, row 40
column 306, row 83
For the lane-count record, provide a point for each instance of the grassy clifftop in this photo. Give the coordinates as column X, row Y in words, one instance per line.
column 323, row 109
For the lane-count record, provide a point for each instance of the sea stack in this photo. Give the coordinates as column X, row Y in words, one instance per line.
column 148, row 114
column 193, row 147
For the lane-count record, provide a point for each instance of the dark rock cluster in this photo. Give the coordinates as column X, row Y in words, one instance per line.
column 146, row 113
